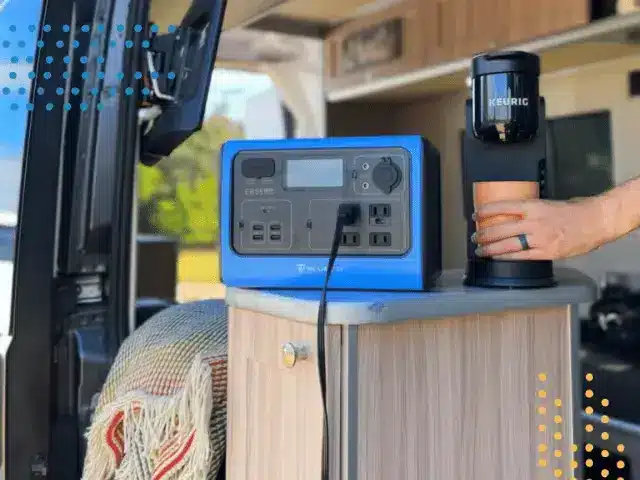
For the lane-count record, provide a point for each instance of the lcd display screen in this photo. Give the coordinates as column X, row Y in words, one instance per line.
column 314, row 173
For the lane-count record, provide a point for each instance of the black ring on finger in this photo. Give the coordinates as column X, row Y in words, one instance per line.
column 523, row 241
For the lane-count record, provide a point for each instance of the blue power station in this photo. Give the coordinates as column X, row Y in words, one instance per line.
column 280, row 200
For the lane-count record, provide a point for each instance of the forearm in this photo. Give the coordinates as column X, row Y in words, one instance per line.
column 619, row 209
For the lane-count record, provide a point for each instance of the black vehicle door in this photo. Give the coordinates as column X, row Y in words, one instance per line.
column 73, row 300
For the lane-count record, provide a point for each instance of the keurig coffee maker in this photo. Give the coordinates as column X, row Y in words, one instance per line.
column 504, row 157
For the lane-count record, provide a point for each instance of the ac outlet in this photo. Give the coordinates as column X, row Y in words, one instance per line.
column 350, row 239
column 380, row 239
column 379, row 214
column 382, row 210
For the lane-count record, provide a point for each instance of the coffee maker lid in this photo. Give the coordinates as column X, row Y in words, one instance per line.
column 505, row 62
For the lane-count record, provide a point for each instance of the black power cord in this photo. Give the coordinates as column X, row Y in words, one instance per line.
column 348, row 214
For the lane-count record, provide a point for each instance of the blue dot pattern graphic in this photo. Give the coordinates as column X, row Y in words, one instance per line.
column 71, row 46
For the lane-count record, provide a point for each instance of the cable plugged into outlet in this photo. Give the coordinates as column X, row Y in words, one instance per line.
column 348, row 214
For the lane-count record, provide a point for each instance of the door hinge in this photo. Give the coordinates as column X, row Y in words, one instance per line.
column 161, row 72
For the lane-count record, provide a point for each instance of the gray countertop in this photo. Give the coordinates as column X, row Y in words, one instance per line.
column 449, row 298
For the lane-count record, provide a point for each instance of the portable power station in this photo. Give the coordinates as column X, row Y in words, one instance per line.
column 281, row 201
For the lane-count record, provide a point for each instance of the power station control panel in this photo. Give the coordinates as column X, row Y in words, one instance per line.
column 285, row 202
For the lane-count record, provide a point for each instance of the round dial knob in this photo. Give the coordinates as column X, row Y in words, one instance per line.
column 386, row 175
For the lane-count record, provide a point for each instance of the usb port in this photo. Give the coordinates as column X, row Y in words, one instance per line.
column 275, row 227
column 258, row 227
column 258, row 238
column 275, row 237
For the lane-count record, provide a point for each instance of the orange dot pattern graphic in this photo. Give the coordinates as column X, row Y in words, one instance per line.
column 550, row 423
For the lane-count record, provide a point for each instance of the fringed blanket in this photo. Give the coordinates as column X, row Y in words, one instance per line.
column 162, row 412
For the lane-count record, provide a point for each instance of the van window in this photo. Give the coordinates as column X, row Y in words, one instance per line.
column 178, row 197
column 7, row 243
column 18, row 35
column 19, row 27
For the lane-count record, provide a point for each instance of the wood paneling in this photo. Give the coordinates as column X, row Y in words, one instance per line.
column 437, row 399
column 414, row 46
column 275, row 419
column 432, row 85
column 451, row 398
column 441, row 31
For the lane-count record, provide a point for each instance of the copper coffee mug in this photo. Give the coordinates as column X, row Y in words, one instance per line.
column 489, row 192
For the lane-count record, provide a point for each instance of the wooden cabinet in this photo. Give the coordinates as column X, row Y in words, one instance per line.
column 471, row 27
column 383, row 44
column 484, row 25
column 419, row 33
column 529, row 20
column 275, row 416
column 436, row 398
column 452, row 384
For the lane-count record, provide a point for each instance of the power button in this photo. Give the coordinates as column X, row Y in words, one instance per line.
column 258, row 167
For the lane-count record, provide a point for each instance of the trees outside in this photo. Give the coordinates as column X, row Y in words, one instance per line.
column 178, row 197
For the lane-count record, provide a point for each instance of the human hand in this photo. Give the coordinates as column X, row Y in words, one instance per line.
column 553, row 229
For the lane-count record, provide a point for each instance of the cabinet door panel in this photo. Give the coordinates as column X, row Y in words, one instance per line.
column 275, row 416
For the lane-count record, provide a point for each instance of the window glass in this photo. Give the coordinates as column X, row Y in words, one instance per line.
column 7, row 243
column 18, row 35
column 178, row 197
column 19, row 25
